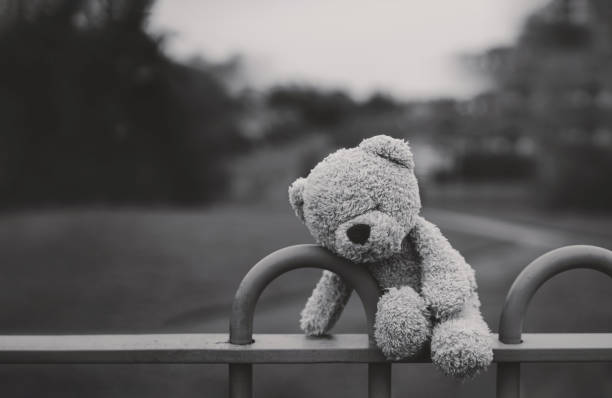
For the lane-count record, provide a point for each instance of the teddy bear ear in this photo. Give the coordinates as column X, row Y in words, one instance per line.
column 393, row 149
column 296, row 197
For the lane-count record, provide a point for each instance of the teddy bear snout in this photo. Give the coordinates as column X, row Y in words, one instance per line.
column 371, row 236
column 358, row 233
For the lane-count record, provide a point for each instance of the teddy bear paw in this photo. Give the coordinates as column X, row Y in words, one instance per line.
column 461, row 348
column 313, row 325
column 402, row 325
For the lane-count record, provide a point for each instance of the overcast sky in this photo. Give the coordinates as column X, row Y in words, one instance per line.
column 408, row 48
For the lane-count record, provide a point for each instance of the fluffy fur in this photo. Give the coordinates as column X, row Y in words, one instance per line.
column 429, row 290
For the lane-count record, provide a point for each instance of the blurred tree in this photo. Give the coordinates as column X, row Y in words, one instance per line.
column 315, row 107
column 91, row 110
column 380, row 102
column 555, row 87
column 306, row 109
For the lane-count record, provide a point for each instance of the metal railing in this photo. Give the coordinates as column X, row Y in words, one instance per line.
column 243, row 349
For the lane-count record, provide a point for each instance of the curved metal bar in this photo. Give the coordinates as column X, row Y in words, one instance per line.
column 287, row 259
column 278, row 263
column 538, row 272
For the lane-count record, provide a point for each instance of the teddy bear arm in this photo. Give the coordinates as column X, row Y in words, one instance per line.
column 325, row 304
column 447, row 281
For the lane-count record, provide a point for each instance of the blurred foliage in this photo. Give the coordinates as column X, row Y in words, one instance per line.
column 314, row 107
column 553, row 91
column 485, row 166
column 307, row 109
column 91, row 110
column 582, row 178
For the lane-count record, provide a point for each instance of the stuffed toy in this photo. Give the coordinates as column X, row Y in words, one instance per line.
column 363, row 204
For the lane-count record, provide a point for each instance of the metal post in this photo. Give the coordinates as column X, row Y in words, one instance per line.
column 522, row 290
column 509, row 380
column 276, row 264
column 241, row 380
column 379, row 380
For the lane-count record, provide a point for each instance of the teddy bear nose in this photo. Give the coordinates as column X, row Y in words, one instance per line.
column 358, row 233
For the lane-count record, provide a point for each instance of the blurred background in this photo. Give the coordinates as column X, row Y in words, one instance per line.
column 146, row 149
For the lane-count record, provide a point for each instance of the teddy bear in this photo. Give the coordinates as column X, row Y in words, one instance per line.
column 363, row 204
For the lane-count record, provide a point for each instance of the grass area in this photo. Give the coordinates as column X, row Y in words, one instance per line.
column 85, row 271
column 103, row 271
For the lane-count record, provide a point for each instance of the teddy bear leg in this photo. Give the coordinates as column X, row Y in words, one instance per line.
column 461, row 346
column 402, row 325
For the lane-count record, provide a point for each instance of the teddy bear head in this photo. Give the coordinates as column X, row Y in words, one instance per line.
column 360, row 202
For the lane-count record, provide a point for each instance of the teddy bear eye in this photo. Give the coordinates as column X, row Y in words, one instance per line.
column 397, row 162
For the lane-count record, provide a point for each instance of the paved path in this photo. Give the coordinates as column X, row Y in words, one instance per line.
column 507, row 231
